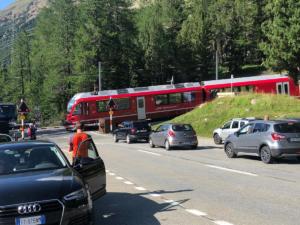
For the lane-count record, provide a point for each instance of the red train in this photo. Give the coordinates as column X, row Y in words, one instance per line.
column 164, row 101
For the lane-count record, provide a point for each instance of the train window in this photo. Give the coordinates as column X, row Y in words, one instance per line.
column 101, row 106
column 175, row 98
column 249, row 88
column 161, row 99
column 85, row 108
column 237, row 89
column 77, row 110
column 122, row 103
column 188, row 96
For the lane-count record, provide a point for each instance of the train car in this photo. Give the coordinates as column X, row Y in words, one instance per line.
column 275, row 84
column 152, row 102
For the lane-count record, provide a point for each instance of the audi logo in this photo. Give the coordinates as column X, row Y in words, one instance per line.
column 29, row 208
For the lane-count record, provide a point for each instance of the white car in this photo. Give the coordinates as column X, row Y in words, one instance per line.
column 220, row 134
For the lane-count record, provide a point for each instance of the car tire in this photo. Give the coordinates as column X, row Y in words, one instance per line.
column 167, row 145
column 265, row 155
column 151, row 143
column 217, row 139
column 128, row 140
column 115, row 138
column 194, row 146
column 229, row 150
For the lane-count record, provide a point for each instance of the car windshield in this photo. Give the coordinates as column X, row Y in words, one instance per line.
column 182, row 127
column 289, row 127
column 23, row 159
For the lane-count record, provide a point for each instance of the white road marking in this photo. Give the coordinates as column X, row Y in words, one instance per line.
column 171, row 202
column 119, row 178
column 112, row 174
column 140, row 188
column 233, row 171
column 151, row 153
column 155, row 195
column 128, row 182
column 196, row 212
column 220, row 222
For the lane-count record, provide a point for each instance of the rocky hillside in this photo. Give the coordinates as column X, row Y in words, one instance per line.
column 17, row 16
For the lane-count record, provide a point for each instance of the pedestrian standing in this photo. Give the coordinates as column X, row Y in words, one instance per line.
column 79, row 137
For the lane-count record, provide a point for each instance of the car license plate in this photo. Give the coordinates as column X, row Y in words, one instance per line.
column 295, row 139
column 34, row 220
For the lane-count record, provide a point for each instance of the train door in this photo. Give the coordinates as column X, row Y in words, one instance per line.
column 141, row 108
column 283, row 88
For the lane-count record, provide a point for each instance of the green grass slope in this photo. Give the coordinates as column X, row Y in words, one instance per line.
column 214, row 114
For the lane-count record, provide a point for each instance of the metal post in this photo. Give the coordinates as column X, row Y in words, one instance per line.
column 22, row 125
column 231, row 81
column 110, row 119
column 217, row 65
column 99, row 66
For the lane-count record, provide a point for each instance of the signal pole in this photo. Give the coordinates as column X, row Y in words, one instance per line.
column 99, row 66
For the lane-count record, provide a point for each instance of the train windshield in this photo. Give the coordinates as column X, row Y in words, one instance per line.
column 8, row 111
column 70, row 104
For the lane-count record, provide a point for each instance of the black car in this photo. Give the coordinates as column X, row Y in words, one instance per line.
column 39, row 186
column 132, row 131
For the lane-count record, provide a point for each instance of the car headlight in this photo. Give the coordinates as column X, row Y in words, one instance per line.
column 78, row 195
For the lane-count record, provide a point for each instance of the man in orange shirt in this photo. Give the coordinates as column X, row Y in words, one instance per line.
column 78, row 138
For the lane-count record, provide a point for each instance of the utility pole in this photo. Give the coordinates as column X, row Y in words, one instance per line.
column 99, row 66
column 217, row 65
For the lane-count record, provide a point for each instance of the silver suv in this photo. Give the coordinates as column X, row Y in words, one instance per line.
column 267, row 139
column 220, row 134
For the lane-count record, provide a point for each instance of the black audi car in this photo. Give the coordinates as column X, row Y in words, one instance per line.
column 39, row 186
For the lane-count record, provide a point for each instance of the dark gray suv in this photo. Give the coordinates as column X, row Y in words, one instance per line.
column 267, row 139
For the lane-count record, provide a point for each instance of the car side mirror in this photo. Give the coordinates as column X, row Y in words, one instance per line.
column 236, row 133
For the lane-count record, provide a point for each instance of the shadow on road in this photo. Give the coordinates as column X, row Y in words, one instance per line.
column 286, row 160
column 129, row 209
column 199, row 148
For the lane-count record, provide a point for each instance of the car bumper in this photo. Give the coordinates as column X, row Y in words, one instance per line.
column 79, row 216
column 280, row 152
column 54, row 211
column 182, row 143
column 139, row 136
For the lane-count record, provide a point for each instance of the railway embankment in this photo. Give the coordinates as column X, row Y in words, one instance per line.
column 215, row 113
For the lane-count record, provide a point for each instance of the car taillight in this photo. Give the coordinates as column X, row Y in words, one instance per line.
column 278, row 137
column 133, row 130
column 171, row 133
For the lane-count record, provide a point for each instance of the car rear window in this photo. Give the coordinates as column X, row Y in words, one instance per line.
column 289, row 127
column 183, row 127
column 141, row 125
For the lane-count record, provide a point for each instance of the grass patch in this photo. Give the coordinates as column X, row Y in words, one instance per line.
column 213, row 114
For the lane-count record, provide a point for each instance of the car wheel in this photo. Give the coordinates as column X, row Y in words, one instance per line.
column 217, row 139
column 194, row 146
column 265, row 155
column 230, row 151
column 167, row 145
column 115, row 138
column 151, row 143
column 128, row 140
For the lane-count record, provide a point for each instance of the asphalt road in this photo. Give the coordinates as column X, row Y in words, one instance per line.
column 192, row 187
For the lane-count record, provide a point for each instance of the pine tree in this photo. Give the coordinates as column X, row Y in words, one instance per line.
column 281, row 30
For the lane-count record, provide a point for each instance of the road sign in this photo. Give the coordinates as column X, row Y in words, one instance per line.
column 22, row 117
column 23, row 108
column 111, row 104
